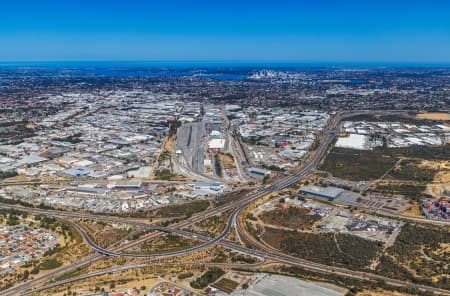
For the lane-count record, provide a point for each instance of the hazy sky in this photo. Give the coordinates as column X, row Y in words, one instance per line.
column 310, row 31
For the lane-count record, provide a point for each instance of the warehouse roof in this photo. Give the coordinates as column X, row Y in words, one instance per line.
column 353, row 141
column 216, row 144
column 259, row 171
column 86, row 189
column 32, row 159
column 77, row 171
column 330, row 192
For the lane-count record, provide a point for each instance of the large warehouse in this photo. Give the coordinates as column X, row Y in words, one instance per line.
column 325, row 192
column 216, row 145
column 258, row 171
column 353, row 141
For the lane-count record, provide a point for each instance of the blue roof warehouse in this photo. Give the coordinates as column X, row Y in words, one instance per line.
column 325, row 192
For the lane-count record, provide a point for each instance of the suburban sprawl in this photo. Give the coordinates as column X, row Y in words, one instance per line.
column 224, row 181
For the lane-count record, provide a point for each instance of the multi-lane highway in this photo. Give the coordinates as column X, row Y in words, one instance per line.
column 264, row 253
column 121, row 268
column 238, row 206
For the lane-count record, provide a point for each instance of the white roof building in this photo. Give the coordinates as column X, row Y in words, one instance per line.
column 215, row 134
column 353, row 141
column 216, row 144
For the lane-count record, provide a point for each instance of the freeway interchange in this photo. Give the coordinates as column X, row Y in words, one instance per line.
column 233, row 222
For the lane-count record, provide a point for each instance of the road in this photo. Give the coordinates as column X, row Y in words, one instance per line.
column 311, row 163
column 263, row 252
column 120, row 268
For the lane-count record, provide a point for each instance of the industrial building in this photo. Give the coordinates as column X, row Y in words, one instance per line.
column 126, row 185
column 88, row 190
column 216, row 145
column 77, row 172
column 325, row 192
column 258, row 171
column 208, row 186
column 353, row 141
column 32, row 159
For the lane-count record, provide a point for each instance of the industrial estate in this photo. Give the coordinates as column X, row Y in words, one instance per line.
column 236, row 181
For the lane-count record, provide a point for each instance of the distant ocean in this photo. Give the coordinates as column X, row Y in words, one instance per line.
column 219, row 70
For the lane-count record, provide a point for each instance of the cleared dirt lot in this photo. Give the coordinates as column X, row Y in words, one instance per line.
column 434, row 116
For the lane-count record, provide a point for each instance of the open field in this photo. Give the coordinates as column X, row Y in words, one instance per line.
column 387, row 118
column 182, row 210
column 103, row 233
column 209, row 277
column 415, row 210
column 232, row 196
column 169, row 145
column 49, row 264
column 164, row 244
column 442, row 177
column 416, row 172
column 332, row 249
column 212, row 226
column 441, row 181
column 410, row 191
column 179, row 210
column 359, row 165
column 420, row 254
column 412, row 170
column 292, row 217
column 434, row 116
column 226, row 285
column 222, row 255
column 227, row 160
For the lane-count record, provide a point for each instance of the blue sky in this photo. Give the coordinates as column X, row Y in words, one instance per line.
column 304, row 31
